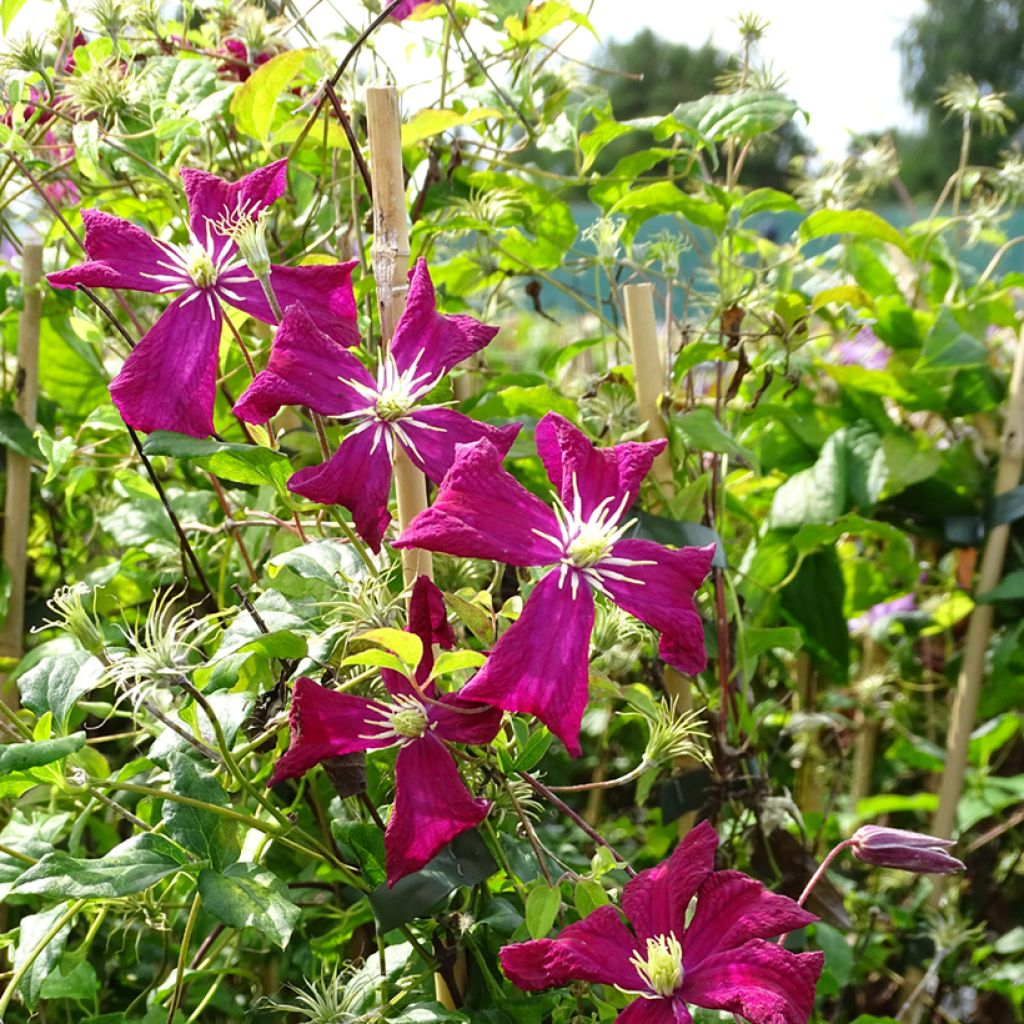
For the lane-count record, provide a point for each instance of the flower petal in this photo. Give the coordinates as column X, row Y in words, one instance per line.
column 482, row 511
column 325, row 723
column 760, row 981
column 428, row 340
column 599, row 473
column 210, row 197
column 358, row 477
column 657, row 899
column 431, row 435
column 121, row 255
column 732, row 908
column 540, row 666
column 432, row 806
column 657, row 584
column 464, row 721
column 428, row 617
column 655, row 1011
column 169, row 381
column 323, row 290
column 306, row 367
column 596, row 949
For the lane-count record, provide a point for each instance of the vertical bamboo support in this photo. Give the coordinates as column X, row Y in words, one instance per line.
column 648, row 382
column 17, row 507
column 968, row 689
column 390, row 267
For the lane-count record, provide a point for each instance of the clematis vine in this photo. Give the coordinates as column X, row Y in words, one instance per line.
column 309, row 368
column 432, row 805
column 718, row 959
column 540, row 665
column 169, row 381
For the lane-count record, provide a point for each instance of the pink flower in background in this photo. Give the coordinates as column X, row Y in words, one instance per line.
column 866, row 350
column 308, row 368
column 883, row 610
column 719, row 960
column 432, row 805
column 540, row 665
column 239, row 66
column 169, row 381
column 903, row 850
column 407, row 7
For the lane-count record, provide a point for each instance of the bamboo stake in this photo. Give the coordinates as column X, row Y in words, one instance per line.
column 390, row 267
column 17, row 507
column 648, row 382
column 972, row 672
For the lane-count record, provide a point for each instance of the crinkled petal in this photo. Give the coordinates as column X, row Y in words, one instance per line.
column 325, row 723
column 210, row 197
column 306, row 367
column 464, row 721
column 323, row 290
column 432, row 806
column 733, row 908
column 656, row 900
column 358, row 477
column 430, row 437
column 760, row 981
column 482, row 511
column 657, row 584
column 596, row 949
column 540, row 666
column 121, row 255
column 426, row 339
column 169, row 381
column 655, row 1011
column 600, row 474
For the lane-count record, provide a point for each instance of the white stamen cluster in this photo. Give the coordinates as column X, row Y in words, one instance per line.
column 246, row 226
column 403, row 722
column 662, row 970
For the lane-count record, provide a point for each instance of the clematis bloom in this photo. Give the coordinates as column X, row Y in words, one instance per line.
column 719, row 961
column 540, row 665
column 904, row 850
column 432, row 805
column 407, row 8
column 307, row 367
column 169, row 381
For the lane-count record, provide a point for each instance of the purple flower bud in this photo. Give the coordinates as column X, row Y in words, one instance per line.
column 907, row 851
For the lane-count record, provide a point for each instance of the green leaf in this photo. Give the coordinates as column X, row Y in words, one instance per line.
column 31, row 931
column 19, row 757
column 240, row 463
column 8, row 10
column 542, row 905
column 364, row 844
column 407, row 646
column 210, row 836
column 664, row 197
column 948, row 346
column 250, row 896
column 533, row 750
column 734, row 115
column 330, row 561
column 426, row 123
column 55, row 683
column 132, row 867
column 1009, row 588
column 255, row 102
column 813, row 601
column 15, row 434
column 449, row 662
column 74, row 978
column 894, row 803
column 857, row 223
column 767, row 200
column 589, row 895
column 702, row 431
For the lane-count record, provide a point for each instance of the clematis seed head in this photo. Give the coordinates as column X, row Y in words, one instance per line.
column 74, row 619
column 248, row 231
column 662, row 970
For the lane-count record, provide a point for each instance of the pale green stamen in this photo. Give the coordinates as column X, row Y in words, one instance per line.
column 410, row 723
column 662, row 970
column 200, row 266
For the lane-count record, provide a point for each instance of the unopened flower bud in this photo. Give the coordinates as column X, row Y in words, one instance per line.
column 906, row 851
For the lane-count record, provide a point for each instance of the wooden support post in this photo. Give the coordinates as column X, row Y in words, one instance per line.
column 979, row 630
column 17, row 508
column 649, row 383
column 390, row 269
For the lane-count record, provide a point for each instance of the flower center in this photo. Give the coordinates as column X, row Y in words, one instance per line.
column 200, row 266
column 410, row 723
column 589, row 546
column 393, row 403
column 662, row 970
column 587, row 540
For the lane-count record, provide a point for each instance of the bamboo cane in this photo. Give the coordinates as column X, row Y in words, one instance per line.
column 968, row 689
column 17, row 508
column 648, row 383
column 390, row 267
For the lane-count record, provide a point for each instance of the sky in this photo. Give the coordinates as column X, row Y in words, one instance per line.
column 840, row 59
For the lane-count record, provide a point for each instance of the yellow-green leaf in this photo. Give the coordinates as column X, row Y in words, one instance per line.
column 407, row 646
column 255, row 102
column 859, row 223
column 427, row 123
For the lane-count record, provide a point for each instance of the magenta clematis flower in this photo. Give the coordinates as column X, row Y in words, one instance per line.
column 432, row 805
column 884, row 610
column 906, row 851
column 866, row 350
column 169, row 381
column 540, row 665
column 308, row 368
column 408, row 7
column 719, row 961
